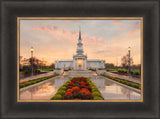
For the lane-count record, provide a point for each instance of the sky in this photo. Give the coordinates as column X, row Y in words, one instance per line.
column 102, row 39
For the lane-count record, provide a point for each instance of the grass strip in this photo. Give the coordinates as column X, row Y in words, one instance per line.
column 128, row 83
column 27, row 83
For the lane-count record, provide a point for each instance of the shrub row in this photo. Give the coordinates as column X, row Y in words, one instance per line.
column 128, row 83
column 111, row 69
column 50, row 69
column 27, row 83
column 77, row 89
column 133, row 71
column 136, row 72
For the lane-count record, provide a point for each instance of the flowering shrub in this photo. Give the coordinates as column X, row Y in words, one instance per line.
column 23, row 82
column 69, row 90
column 75, row 89
column 78, row 88
column 68, row 95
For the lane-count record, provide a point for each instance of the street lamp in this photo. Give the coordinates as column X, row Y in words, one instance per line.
column 32, row 60
column 129, row 50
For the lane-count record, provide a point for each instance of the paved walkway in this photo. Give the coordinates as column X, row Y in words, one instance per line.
column 36, row 76
column 76, row 73
column 128, row 78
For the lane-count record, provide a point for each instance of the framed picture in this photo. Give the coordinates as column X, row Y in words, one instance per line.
column 67, row 59
column 80, row 79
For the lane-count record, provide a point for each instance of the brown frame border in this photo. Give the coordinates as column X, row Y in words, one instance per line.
column 11, row 9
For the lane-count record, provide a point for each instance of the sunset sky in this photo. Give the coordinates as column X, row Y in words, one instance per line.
column 102, row 39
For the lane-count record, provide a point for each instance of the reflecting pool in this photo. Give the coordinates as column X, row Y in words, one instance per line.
column 113, row 91
column 44, row 91
column 109, row 89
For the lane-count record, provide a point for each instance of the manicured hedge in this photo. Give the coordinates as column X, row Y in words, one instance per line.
column 128, row 83
column 27, row 83
column 78, row 88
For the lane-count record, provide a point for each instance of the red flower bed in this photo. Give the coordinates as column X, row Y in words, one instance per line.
column 78, row 89
column 23, row 82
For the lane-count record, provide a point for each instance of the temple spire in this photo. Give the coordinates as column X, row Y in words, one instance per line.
column 79, row 32
column 79, row 44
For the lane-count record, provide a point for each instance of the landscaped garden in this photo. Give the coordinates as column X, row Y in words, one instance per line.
column 27, row 83
column 128, row 83
column 78, row 88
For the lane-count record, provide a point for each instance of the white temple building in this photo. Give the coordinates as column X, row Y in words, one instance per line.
column 80, row 61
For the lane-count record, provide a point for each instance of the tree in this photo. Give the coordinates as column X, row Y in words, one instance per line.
column 36, row 62
column 125, row 61
column 109, row 65
column 138, row 66
column 52, row 65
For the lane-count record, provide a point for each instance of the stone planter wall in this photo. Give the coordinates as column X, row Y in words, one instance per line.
column 59, row 71
column 100, row 72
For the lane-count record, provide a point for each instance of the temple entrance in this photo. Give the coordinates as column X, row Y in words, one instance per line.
column 80, row 63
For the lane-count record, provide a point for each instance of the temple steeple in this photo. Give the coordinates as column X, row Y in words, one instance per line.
column 79, row 44
column 79, row 32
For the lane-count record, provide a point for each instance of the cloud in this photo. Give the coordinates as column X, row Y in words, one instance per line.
column 106, row 28
column 24, row 26
column 77, row 21
column 68, row 21
column 62, row 35
column 99, row 25
column 36, row 27
column 116, row 22
column 59, row 38
column 100, row 39
column 121, row 28
column 59, row 34
column 134, row 29
column 55, row 27
column 92, row 22
column 94, row 41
